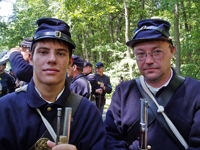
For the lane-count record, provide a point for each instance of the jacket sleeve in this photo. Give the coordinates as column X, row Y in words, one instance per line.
column 88, row 129
column 115, row 138
column 108, row 87
column 22, row 69
column 194, row 138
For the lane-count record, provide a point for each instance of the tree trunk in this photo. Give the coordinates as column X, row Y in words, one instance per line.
column 119, row 27
column 84, row 41
column 100, row 42
column 78, row 46
column 127, row 36
column 142, row 7
column 111, row 27
column 184, row 17
column 92, row 45
column 177, row 42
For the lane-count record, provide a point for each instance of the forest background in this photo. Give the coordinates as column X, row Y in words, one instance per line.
column 100, row 29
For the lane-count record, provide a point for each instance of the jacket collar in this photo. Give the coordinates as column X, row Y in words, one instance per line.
column 35, row 101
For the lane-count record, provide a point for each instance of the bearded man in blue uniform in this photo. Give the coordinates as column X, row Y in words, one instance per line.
column 21, row 123
column 176, row 97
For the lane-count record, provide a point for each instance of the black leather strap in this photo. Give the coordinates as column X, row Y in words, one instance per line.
column 56, row 34
column 163, row 99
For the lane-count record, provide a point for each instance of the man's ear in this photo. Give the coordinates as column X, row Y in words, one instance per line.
column 172, row 52
column 74, row 67
column 30, row 59
column 71, row 60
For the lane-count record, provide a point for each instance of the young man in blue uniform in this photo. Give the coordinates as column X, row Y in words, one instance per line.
column 178, row 97
column 87, row 70
column 21, row 123
column 103, row 88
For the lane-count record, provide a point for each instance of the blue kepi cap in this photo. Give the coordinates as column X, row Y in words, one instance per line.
column 150, row 29
column 53, row 28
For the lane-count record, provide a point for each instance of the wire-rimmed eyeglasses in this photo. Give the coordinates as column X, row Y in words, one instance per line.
column 156, row 54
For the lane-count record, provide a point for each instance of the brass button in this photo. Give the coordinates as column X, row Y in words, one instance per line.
column 49, row 109
column 149, row 147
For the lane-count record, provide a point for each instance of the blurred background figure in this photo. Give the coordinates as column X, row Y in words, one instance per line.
column 7, row 84
column 87, row 70
column 79, row 83
column 104, row 86
column 121, row 79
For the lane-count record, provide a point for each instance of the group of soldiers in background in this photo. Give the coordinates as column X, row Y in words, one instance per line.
column 79, row 76
column 8, row 79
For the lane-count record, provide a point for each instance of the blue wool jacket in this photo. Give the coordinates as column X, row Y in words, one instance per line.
column 108, row 88
column 21, row 125
column 21, row 69
column 183, row 109
column 80, row 86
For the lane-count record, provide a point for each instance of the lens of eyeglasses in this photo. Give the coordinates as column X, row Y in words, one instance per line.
column 157, row 54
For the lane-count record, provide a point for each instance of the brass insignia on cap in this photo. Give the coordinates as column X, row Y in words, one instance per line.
column 144, row 27
column 41, row 144
column 58, row 34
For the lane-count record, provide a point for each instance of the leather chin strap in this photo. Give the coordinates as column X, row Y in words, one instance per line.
column 56, row 34
column 151, row 28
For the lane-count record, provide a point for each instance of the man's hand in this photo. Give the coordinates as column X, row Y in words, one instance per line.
column 100, row 91
column 102, row 86
column 61, row 146
column 14, row 49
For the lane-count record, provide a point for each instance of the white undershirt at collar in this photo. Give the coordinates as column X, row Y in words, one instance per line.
column 47, row 100
column 155, row 90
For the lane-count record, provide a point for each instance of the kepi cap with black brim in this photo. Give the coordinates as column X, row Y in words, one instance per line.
column 150, row 30
column 26, row 42
column 55, row 29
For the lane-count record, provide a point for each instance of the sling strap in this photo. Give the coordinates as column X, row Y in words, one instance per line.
column 73, row 101
column 133, row 132
column 166, row 124
column 90, row 87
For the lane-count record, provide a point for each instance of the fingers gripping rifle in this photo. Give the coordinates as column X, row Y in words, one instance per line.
column 41, row 144
column 143, row 143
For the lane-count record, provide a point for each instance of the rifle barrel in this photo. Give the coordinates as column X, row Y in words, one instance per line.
column 143, row 124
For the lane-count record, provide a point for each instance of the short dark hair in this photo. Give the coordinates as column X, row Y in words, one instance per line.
column 61, row 42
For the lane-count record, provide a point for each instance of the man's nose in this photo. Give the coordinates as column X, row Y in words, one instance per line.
column 149, row 58
column 52, row 58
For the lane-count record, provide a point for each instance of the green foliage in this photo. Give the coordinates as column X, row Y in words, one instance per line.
column 95, row 19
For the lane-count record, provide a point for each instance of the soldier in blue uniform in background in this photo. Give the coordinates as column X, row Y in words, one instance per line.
column 21, row 122
column 177, row 97
column 7, row 83
column 104, row 86
column 79, row 84
column 19, row 61
column 87, row 70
